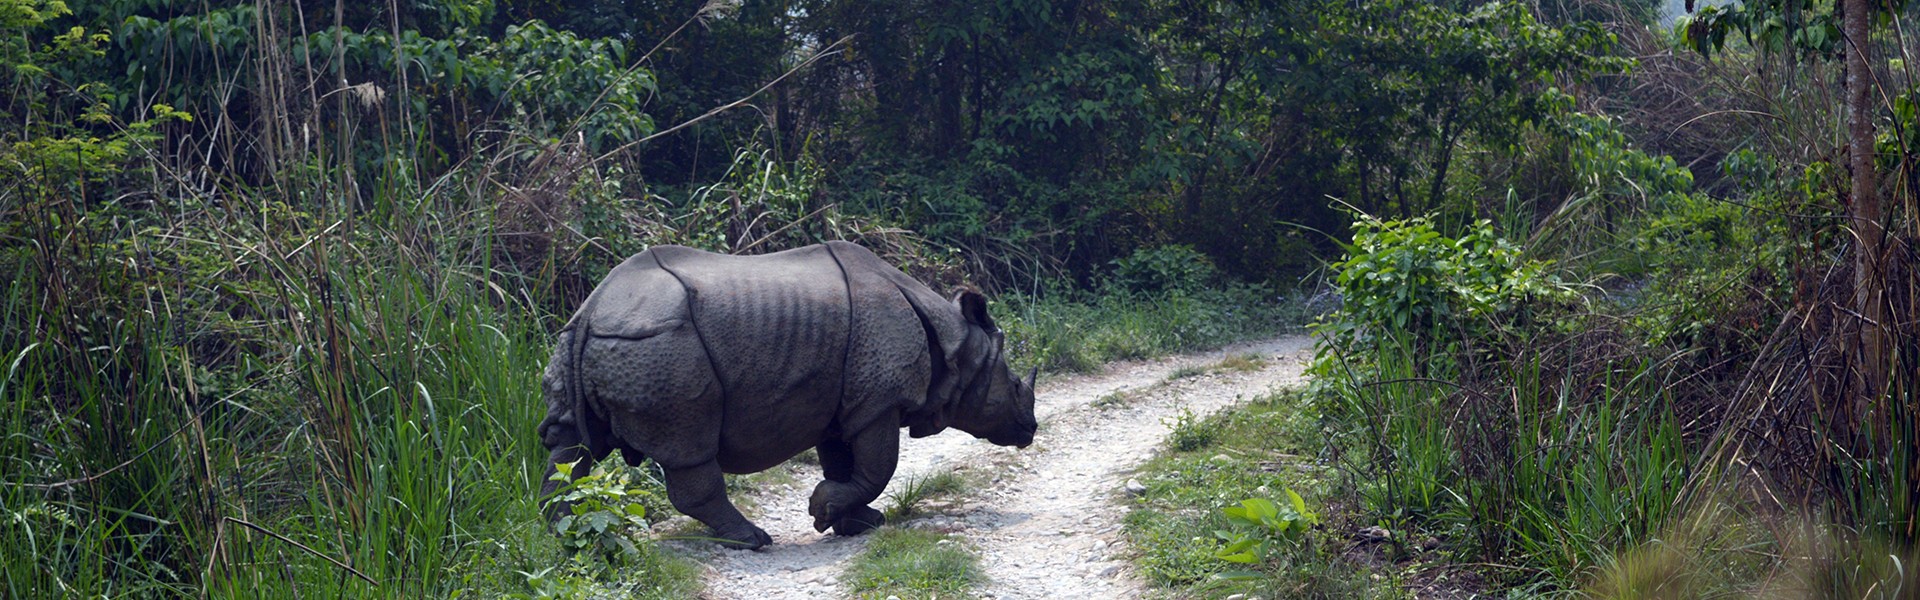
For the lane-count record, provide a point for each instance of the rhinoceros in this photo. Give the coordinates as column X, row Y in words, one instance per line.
column 709, row 364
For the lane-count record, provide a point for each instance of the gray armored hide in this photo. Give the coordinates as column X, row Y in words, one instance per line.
column 709, row 363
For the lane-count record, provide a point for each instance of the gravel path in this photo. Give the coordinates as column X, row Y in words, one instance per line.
column 1046, row 522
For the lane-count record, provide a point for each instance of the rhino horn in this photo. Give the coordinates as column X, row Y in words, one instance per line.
column 1032, row 377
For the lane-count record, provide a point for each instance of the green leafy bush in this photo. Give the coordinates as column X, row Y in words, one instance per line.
column 1404, row 275
column 1158, row 269
column 605, row 513
column 1404, row 280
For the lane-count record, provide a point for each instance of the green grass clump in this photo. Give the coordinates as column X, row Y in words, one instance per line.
column 1114, row 399
column 913, row 563
column 1174, row 522
column 1190, row 433
column 920, row 488
column 1240, row 363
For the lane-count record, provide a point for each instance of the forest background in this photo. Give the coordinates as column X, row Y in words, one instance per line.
column 291, row 267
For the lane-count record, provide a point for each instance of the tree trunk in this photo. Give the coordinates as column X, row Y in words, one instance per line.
column 1869, row 289
column 950, row 87
column 1437, row 195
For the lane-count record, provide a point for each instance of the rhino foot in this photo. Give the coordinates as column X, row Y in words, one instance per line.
column 858, row 520
column 753, row 538
column 835, row 505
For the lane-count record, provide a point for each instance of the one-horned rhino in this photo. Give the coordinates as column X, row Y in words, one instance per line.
column 709, row 364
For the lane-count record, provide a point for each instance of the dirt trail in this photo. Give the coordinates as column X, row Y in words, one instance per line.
column 1047, row 525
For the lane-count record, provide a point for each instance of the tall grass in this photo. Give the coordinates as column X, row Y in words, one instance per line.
column 1563, row 467
column 1548, row 474
column 226, row 396
column 356, row 426
column 427, row 453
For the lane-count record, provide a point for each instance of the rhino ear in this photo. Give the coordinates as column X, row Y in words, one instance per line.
column 973, row 306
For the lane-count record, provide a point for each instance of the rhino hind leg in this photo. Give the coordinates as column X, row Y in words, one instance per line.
column 701, row 492
column 560, row 432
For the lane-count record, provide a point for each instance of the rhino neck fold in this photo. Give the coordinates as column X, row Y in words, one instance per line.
column 942, row 385
column 969, row 385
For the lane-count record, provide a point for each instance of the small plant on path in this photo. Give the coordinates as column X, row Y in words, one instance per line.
column 1261, row 531
column 1189, row 432
column 913, row 563
column 1186, row 372
column 920, row 488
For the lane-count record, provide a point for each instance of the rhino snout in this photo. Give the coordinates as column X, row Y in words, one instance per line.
column 1019, row 436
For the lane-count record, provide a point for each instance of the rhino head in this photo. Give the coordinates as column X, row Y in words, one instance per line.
column 982, row 395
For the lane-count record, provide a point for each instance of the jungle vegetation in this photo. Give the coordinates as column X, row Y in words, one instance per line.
column 1587, row 274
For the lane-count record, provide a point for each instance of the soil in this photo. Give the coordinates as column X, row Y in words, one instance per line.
column 1045, row 520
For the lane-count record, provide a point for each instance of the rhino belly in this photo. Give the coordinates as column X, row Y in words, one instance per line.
column 752, row 449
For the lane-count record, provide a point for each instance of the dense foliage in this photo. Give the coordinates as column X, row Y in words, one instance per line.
column 283, row 274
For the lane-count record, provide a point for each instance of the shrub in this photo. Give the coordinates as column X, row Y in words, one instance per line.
column 1402, row 275
column 1157, row 269
column 1260, row 531
column 1403, row 280
column 605, row 513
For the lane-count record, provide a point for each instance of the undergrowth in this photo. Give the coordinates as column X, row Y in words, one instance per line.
column 1259, row 450
column 1555, row 441
column 1067, row 331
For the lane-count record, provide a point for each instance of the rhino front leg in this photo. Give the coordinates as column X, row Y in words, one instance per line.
column 701, row 492
column 855, row 471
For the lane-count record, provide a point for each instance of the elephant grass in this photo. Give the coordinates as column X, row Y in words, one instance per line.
column 371, row 440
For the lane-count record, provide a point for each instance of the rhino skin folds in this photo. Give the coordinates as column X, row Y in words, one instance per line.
column 710, row 363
